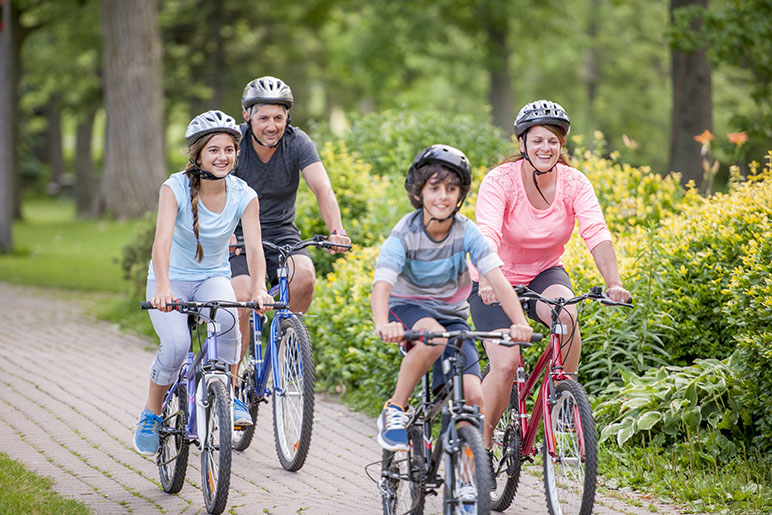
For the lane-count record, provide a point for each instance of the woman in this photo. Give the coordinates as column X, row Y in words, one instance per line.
column 198, row 210
column 527, row 208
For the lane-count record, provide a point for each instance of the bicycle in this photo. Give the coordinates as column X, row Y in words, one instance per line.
column 197, row 409
column 408, row 476
column 569, row 453
column 288, row 355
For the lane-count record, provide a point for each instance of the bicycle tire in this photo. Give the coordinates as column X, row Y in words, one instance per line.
column 216, row 448
column 569, row 481
column 467, row 484
column 245, row 392
column 173, row 448
column 293, row 408
column 404, row 496
column 506, row 442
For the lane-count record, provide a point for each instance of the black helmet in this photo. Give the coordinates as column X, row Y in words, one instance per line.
column 208, row 122
column 446, row 156
column 541, row 112
column 267, row 90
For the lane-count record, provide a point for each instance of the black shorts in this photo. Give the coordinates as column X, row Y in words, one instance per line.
column 488, row 317
column 409, row 314
column 278, row 235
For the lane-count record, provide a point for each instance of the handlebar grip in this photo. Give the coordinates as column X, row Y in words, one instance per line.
column 411, row 336
column 536, row 337
column 145, row 304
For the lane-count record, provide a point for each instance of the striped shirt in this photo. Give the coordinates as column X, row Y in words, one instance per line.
column 433, row 274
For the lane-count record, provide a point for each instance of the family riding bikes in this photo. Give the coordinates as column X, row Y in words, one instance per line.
column 435, row 265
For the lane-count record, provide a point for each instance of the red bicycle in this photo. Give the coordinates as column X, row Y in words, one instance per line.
column 569, row 451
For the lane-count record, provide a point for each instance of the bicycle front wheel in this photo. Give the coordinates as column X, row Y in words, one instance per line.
column 293, row 405
column 467, row 483
column 173, row 452
column 505, row 445
column 216, row 448
column 569, row 477
column 245, row 392
column 402, row 474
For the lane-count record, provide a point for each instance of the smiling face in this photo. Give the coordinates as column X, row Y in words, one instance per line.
column 543, row 147
column 268, row 122
column 440, row 197
column 218, row 155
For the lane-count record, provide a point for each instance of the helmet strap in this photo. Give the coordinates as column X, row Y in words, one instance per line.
column 249, row 126
column 536, row 171
column 205, row 175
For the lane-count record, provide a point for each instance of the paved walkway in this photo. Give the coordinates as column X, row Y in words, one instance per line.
column 71, row 389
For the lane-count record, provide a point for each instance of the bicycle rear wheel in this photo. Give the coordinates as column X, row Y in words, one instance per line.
column 467, row 483
column 216, row 448
column 402, row 473
column 293, row 406
column 570, row 477
column 245, row 392
column 507, row 458
column 173, row 450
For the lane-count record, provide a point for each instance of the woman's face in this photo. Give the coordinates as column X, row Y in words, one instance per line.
column 543, row 147
column 218, row 155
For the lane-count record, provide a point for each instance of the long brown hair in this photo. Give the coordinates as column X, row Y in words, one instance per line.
column 554, row 129
column 194, row 152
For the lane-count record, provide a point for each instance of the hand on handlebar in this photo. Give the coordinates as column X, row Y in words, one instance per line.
column 619, row 294
column 520, row 332
column 263, row 299
column 162, row 297
column 392, row 332
column 341, row 239
column 486, row 291
column 234, row 241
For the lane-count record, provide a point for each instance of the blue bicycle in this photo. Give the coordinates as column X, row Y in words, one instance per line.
column 197, row 409
column 289, row 360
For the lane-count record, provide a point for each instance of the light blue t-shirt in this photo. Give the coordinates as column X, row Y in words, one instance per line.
column 215, row 230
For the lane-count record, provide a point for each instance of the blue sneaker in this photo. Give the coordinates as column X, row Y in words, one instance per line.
column 146, row 436
column 392, row 435
column 241, row 415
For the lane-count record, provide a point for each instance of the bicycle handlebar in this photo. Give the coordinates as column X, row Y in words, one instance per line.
column 182, row 305
column 319, row 240
column 596, row 293
column 502, row 337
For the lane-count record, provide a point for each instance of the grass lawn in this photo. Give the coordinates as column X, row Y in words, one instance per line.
column 53, row 249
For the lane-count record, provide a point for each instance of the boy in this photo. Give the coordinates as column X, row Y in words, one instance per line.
column 422, row 280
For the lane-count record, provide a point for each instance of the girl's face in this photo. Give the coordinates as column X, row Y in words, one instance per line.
column 268, row 122
column 218, row 156
column 543, row 147
column 439, row 198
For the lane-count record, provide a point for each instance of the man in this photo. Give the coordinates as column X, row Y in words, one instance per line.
column 272, row 156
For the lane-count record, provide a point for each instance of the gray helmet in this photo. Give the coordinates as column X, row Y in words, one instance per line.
column 209, row 122
column 541, row 112
column 267, row 90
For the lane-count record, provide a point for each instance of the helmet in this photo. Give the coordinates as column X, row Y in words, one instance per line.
column 209, row 122
column 541, row 112
column 267, row 90
column 446, row 156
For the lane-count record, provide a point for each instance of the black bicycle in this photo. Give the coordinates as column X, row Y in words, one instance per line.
column 408, row 476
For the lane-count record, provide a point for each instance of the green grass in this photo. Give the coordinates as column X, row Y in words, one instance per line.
column 53, row 249
column 22, row 491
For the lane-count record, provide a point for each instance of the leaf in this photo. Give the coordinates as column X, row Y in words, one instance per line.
column 635, row 402
column 648, row 420
column 626, row 432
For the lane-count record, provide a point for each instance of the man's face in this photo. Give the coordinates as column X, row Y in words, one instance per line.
column 268, row 122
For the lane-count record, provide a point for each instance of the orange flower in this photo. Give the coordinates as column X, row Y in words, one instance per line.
column 705, row 138
column 738, row 138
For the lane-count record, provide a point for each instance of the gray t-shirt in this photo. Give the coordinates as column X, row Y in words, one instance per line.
column 276, row 182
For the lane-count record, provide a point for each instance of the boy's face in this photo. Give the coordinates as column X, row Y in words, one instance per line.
column 439, row 198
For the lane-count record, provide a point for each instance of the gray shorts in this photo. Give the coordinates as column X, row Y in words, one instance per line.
column 172, row 327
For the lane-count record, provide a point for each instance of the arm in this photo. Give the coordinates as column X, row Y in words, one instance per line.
column 250, row 222
column 520, row 330
column 606, row 261
column 162, row 247
column 379, row 303
column 319, row 182
column 489, row 214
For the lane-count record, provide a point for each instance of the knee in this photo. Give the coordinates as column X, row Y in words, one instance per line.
column 506, row 367
column 242, row 288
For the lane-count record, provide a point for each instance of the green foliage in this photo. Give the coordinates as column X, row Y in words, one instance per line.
column 22, row 491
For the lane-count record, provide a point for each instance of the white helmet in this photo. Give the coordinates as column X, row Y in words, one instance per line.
column 209, row 122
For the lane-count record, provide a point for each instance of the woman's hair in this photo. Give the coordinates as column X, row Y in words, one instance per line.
column 194, row 152
column 426, row 172
column 554, row 129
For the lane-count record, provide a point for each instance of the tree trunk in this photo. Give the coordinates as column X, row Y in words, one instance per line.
column 7, row 123
column 53, row 138
column 692, row 105
column 500, row 94
column 591, row 69
column 135, row 160
column 86, row 200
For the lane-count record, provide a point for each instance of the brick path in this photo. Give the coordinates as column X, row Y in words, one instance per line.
column 71, row 389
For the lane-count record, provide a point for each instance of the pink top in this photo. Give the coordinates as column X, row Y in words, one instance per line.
column 530, row 240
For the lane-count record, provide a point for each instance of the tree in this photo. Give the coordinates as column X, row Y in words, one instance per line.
column 135, row 160
column 7, row 120
column 692, row 95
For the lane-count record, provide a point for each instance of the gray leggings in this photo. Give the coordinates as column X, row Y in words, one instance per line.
column 172, row 327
